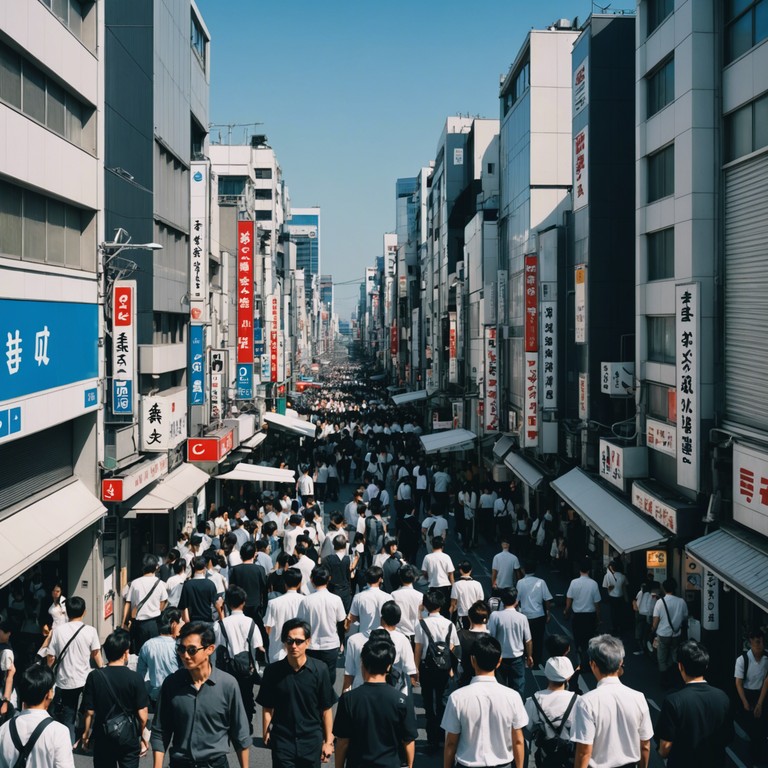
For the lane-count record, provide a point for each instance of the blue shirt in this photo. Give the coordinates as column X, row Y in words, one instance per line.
column 157, row 660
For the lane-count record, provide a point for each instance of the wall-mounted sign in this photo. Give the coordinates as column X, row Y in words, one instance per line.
column 580, row 303
column 198, row 240
column 163, row 420
column 245, row 237
column 273, row 320
column 710, row 602
column 750, row 487
column 662, row 513
column 580, row 177
column 530, row 429
column 217, row 397
column 501, row 297
column 661, row 437
column 210, row 449
column 123, row 487
column 491, row 400
column 583, row 396
column 687, row 328
column 655, row 558
column 531, row 296
column 580, row 87
column 453, row 365
column 123, row 346
column 196, row 367
column 549, row 354
column 244, row 381
column 458, row 156
column 618, row 462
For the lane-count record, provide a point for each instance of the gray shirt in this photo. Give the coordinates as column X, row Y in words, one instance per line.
column 199, row 724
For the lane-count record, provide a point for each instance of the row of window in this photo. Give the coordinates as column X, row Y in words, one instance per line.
column 746, row 129
column 198, row 39
column 79, row 16
column 44, row 230
column 519, row 87
column 25, row 87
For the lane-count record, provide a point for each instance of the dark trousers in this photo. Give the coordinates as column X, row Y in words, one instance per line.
column 289, row 760
column 215, row 762
column 538, row 626
column 754, row 726
column 584, row 629
column 446, row 610
column 65, row 706
column 433, row 686
column 618, row 607
column 141, row 631
column 511, row 672
column 105, row 755
column 329, row 658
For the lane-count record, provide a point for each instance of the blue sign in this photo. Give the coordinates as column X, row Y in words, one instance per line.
column 10, row 422
column 197, row 176
column 244, row 381
column 46, row 344
column 258, row 338
column 90, row 397
column 196, row 368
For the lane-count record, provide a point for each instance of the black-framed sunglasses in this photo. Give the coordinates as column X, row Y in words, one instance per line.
column 189, row 650
column 296, row 641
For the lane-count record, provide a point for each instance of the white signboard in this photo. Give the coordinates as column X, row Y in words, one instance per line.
column 198, row 240
column 164, row 420
column 662, row 513
column 458, row 156
column 501, row 300
column 580, row 287
column 530, row 429
column 123, row 347
column 548, row 348
column 612, row 463
column 687, row 329
column 580, row 171
column 710, row 602
column 216, row 396
column 583, row 396
column 750, row 488
column 661, row 437
column 580, row 87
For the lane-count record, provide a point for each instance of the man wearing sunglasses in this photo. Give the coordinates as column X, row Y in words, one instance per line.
column 296, row 695
column 200, row 710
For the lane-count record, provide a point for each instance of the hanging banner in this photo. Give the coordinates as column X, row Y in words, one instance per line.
column 453, row 366
column 123, row 346
column 580, row 179
column 531, row 288
column 393, row 340
column 244, row 381
column 198, row 240
column 531, row 394
column 501, row 297
column 710, row 602
column 687, row 360
column 580, row 303
column 583, row 396
column 196, row 368
column 216, row 396
column 273, row 318
column 549, row 354
column 491, row 401
column 245, row 292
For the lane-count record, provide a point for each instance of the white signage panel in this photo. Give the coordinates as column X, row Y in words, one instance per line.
column 661, row 437
column 548, row 338
column 530, row 430
column 583, row 396
column 688, row 329
column 580, row 87
column 198, row 240
column 662, row 513
column 163, row 420
column 750, row 488
column 580, row 304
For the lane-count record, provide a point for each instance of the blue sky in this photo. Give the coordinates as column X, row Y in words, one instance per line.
column 353, row 95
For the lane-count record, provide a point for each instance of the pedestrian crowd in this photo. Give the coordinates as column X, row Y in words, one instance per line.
column 255, row 610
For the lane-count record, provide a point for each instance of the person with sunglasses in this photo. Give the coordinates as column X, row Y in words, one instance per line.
column 200, row 710
column 296, row 696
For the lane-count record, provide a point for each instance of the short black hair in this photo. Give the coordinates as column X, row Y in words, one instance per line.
column 407, row 574
column 292, row 577
column 391, row 613
column 234, row 597
column 247, row 550
column 486, row 651
column 260, row 545
column 478, row 612
column 465, row 566
column 434, row 600
column 300, row 548
column 117, row 644
column 437, row 542
column 373, row 574
column 179, row 566
column 320, row 576
column 694, row 658
column 202, row 628
column 198, row 563
column 168, row 617
column 149, row 564
column 34, row 683
column 557, row 645
column 75, row 607
column 529, row 566
column 340, row 541
column 378, row 656
column 292, row 624
column 669, row 585
column 508, row 596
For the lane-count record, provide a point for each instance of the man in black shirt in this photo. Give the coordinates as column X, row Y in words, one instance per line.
column 103, row 690
column 296, row 696
column 252, row 578
column 695, row 724
column 199, row 595
column 375, row 720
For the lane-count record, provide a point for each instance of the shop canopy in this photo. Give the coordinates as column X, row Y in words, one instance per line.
column 737, row 559
column 451, row 440
column 378, row 377
column 34, row 532
column 255, row 441
column 255, row 473
column 626, row 529
column 524, row 470
column 171, row 491
column 290, row 424
column 503, row 446
column 409, row 397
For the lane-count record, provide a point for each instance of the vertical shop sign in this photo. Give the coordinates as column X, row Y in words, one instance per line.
column 710, row 602
column 273, row 308
column 580, row 87
column 198, row 240
column 196, row 368
column 123, row 346
column 549, row 354
column 580, row 171
column 453, row 365
column 501, row 297
column 531, row 289
column 491, row 403
column 687, row 329
column 580, row 303
column 531, row 384
column 244, row 292
column 583, row 396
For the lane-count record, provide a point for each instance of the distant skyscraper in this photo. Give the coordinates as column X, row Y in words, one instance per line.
column 304, row 229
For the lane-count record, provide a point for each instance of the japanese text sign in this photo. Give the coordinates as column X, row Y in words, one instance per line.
column 687, row 329
column 245, row 236
column 123, row 346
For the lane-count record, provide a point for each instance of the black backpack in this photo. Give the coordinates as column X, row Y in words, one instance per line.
column 555, row 752
column 242, row 666
column 438, row 655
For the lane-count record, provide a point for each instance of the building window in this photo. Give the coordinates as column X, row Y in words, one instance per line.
column 262, row 215
column 746, row 129
column 658, row 401
column 262, row 173
column 658, row 10
column 661, row 173
column 233, row 186
column 491, row 169
column 661, row 339
column 78, row 16
column 746, row 26
column 661, row 254
column 262, row 194
column 660, row 87
column 198, row 39
column 519, row 86
column 44, row 230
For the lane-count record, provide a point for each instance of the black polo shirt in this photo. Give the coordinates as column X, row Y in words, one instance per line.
column 253, row 580
column 298, row 700
column 198, row 596
column 376, row 718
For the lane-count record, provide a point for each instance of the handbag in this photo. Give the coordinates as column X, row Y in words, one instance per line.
column 120, row 730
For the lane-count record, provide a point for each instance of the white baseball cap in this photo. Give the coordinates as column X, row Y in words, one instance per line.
column 558, row 669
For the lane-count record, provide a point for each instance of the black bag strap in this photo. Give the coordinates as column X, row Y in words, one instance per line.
column 425, row 629
column 115, row 698
column 64, row 650
column 669, row 618
column 26, row 749
column 145, row 598
column 249, row 641
column 559, row 729
column 745, row 656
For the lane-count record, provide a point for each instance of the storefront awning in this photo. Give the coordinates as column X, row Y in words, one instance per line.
column 172, row 491
column 377, row 377
column 524, row 470
column 450, row 440
column 614, row 520
column 290, row 424
column 32, row 533
column 255, row 441
column 409, row 397
column 258, row 474
column 503, row 446
column 737, row 559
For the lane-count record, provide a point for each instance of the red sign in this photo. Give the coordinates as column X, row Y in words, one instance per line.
column 204, row 450
column 245, row 292
column 122, row 488
column 393, row 339
column 123, row 309
column 112, row 489
column 531, row 289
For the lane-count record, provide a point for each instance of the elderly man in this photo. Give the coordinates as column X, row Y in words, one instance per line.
column 611, row 724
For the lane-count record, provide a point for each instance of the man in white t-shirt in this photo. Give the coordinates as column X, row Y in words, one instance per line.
column 366, row 605
column 280, row 609
column 670, row 614
column 439, row 569
column 434, row 524
column 464, row 593
column 305, row 485
column 535, row 603
column 583, row 600
column 749, row 675
column 615, row 584
column 148, row 597
column 409, row 600
column 505, row 569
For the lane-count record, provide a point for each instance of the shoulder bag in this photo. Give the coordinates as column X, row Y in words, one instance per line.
column 120, row 730
column 25, row 750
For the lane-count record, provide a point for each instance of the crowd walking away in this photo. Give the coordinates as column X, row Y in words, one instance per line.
column 389, row 607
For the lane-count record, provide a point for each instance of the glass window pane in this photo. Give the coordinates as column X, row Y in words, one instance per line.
column 55, row 119
column 10, row 77
column 76, row 18
column 761, row 123
column 74, row 125
column 739, row 132
column 33, row 94
column 661, row 254
column 34, row 227
column 761, row 21
column 61, row 9
column 73, row 237
column 10, row 220
column 56, row 243
column 739, row 38
column 735, row 7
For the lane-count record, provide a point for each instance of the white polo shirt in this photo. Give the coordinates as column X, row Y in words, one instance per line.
column 238, row 626
column 52, row 750
column 306, row 565
column 437, row 565
column 585, row 594
column 438, row 627
column 483, row 714
column 614, row 583
column 409, row 600
column 322, row 610
column 278, row 612
column 511, row 629
column 76, row 663
column 614, row 719
column 404, row 662
column 533, row 592
column 366, row 605
column 433, row 526
column 140, row 588
column 505, row 564
column 678, row 612
column 466, row 592
column 756, row 671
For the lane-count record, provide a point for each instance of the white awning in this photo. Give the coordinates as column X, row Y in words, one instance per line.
column 172, row 491
column 255, row 441
column 524, row 470
column 255, row 473
column 450, row 440
column 290, row 424
column 409, row 397
column 626, row 529
column 503, row 446
column 34, row 532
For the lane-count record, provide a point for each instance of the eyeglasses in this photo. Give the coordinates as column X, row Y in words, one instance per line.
column 296, row 641
column 189, row 650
